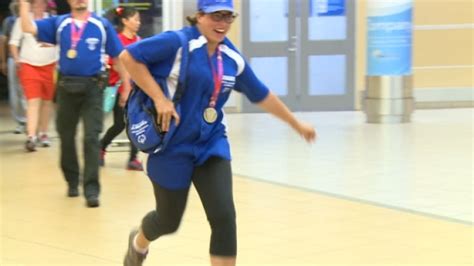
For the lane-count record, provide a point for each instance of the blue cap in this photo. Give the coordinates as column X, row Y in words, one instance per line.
column 209, row 6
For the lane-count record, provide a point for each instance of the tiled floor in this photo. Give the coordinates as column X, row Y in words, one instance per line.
column 425, row 166
column 338, row 202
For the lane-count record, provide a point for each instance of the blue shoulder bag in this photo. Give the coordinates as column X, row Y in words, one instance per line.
column 141, row 116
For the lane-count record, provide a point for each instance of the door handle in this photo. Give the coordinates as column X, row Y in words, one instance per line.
column 294, row 43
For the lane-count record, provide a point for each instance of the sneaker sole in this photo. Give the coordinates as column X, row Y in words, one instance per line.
column 92, row 203
column 30, row 149
column 134, row 169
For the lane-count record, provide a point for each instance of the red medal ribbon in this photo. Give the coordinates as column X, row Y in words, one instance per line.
column 217, row 76
column 76, row 34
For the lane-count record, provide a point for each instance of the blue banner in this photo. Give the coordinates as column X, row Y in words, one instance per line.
column 389, row 38
column 324, row 8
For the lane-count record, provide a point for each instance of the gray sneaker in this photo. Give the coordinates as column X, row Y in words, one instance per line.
column 20, row 129
column 30, row 144
column 132, row 257
column 44, row 140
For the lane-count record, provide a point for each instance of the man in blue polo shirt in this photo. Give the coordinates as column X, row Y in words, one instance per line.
column 83, row 39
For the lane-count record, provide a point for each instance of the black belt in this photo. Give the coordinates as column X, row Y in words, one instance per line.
column 102, row 78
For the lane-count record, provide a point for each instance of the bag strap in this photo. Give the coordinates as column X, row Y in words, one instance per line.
column 184, row 65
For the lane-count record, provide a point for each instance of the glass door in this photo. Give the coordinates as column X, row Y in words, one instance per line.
column 303, row 50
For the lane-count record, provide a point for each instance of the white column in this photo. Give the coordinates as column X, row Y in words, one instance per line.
column 172, row 14
column 90, row 5
column 95, row 6
column 98, row 7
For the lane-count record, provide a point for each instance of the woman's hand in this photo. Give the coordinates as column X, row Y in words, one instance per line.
column 165, row 112
column 275, row 106
column 142, row 76
column 306, row 131
column 17, row 63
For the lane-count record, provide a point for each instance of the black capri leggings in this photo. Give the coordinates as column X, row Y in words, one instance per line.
column 116, row 129
column 213, row 182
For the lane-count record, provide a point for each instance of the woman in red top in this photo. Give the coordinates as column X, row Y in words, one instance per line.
column 128, row 21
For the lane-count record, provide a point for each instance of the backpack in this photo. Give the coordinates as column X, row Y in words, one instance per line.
column 140, row 113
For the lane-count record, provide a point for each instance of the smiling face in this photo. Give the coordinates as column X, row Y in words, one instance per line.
column 214, row 26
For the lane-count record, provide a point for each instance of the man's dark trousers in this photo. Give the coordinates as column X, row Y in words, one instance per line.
column 71, row 108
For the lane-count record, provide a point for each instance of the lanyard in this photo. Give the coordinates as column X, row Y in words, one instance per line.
column 76, row 34
column 217, row 76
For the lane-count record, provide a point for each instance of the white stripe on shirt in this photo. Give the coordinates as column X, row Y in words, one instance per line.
column 235, row 56
column 197, row 43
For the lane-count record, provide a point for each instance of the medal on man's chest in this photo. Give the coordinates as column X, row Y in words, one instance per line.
column 71, row 54
column 76, row 35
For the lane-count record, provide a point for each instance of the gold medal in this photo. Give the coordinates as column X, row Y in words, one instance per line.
column 71, row 54
column 210, row 115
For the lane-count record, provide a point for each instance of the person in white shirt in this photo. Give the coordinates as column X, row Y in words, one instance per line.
column 36, row 64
